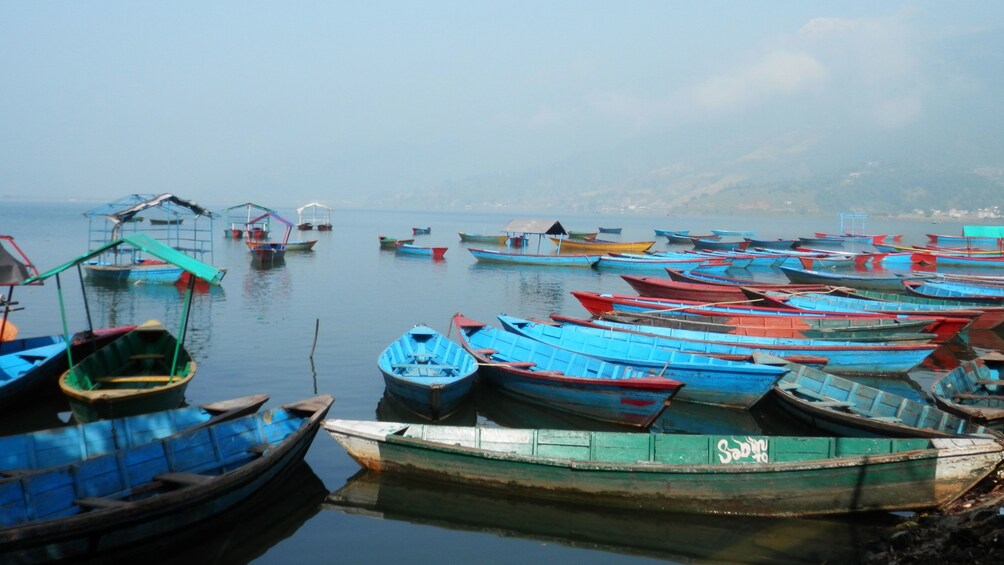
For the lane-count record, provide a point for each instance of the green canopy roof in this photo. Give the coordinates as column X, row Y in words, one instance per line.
column 149, row 245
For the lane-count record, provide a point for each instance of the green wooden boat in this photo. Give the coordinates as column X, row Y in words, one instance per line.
column 751, row 475
column 145, row 370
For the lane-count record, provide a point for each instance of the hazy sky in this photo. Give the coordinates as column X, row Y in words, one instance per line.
column 288, row 102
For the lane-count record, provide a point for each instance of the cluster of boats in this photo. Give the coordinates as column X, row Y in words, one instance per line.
column 136, row 466
column 827, row 346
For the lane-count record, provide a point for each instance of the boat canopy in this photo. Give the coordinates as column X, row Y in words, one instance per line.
column 983, row 231
column 277, row 217
column 535, row 227
column 316, row 205
column 148, row 245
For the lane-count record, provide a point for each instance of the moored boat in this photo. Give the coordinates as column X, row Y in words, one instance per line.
column 780, row 476
column 32, row 451
column 499, row 239
column 436, row 253
column 429, row 374
column 387, row 242
column 421, row 231
column 602, row 338
column 145, row 370
column 30, row 367
column 709, row 380
column 610, row 230
column 893, row 282
column 849, row 408
column 974, row 389
column 576, row 384
column 543, row 260
column 599, row 247
column 135, row 495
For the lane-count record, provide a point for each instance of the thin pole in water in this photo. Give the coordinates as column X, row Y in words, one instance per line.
column 317, row 327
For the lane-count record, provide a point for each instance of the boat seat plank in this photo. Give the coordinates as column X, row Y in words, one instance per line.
column 787, row 386
column 147, row 379
column 833, row 403
column 141, row 356
column 184, row 479
column 979, row 396
column 98, row 502
column 421, row 365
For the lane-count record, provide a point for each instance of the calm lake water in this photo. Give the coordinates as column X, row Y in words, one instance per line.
column 255, row 334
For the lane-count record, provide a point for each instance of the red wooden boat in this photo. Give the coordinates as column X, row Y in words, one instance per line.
column 944, row 328
column 703, row 292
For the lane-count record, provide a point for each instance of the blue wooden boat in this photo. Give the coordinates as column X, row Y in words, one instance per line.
column 826, row 241
column 662, row 233
column 738, row 233
column 421, row 231
column 30, row 367
column 610, row 230
column 267, row 253
column 429, row 374
column 951, row 294
column 649, row 263
column 984, row 316
column 685, row 237
column 843, row 357
column 718, row 245
column 145, row 270
column 436, row 253
column 771, row 243
column 973, row 390
column 79, row 511
column 709, row 380
column 893, row 282
column 753, row 475
column 546, row 260
column 961, row 290
column 849, row 408
column 849, row 357
column 576, row 384
column 23, row 453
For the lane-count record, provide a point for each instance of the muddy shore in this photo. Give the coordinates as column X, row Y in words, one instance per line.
column 969, row 530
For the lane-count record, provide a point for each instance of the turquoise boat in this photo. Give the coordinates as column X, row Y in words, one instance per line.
column 574, row 384
column 709, row 380
column 23, row 453
column 429, row 374
column 141, row 494
column 750, row 475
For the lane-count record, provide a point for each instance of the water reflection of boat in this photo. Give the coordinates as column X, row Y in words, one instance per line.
column 242, row 534
column 677, row 537
column 390, row 409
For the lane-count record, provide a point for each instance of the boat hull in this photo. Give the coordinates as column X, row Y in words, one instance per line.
column 129, row 376
column 498, row 257
column 88, row 535
column 775, row 476
column 427, row 373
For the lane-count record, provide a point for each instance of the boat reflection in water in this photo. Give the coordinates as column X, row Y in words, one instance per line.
column 682, row 537
column 243, row 533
